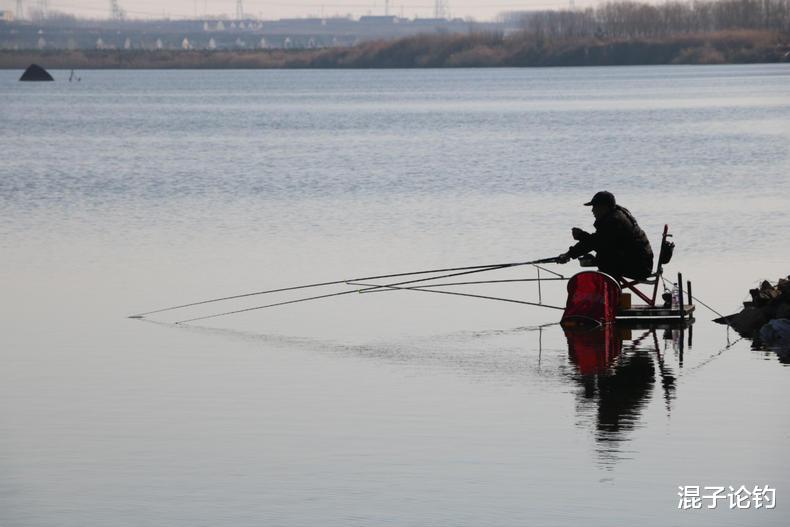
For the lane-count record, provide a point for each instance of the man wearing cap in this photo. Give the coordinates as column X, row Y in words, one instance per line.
column 621, row 246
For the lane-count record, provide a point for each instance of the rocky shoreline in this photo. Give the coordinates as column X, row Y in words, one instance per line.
column 766, row 317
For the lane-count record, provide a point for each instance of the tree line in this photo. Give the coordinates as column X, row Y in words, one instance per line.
column 616, row 33
column 627, row 19
column 441, row 51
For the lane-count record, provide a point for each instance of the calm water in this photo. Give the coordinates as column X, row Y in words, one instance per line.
column 131, row 191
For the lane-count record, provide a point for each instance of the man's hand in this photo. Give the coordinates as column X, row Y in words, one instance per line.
column 578, row 234
column 563, row 258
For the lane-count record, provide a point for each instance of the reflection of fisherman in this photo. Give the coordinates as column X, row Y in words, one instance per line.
column 619, row 380
column 621, row 246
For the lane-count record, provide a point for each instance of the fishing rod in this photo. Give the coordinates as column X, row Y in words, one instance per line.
column 423, row 289
column 337, row 282
column 474, row 282
column 329, row 295
column 464, row 271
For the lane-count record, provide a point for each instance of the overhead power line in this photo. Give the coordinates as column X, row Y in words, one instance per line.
column 257, row 5
column 440, row 9
column 116, row 13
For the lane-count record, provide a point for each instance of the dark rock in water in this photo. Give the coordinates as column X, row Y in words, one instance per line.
column 776, row 333
column 765, row 294
column 748, row 321
column 775, row 337
column 783, row 311
column 34, row 72
column 769, row 303
column 784, row 287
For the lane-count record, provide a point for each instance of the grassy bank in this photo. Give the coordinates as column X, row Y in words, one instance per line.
column 442, row 51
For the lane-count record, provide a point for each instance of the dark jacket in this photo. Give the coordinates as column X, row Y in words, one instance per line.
column 621, row 246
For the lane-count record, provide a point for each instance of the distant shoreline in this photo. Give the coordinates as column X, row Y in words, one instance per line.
column 440, row 51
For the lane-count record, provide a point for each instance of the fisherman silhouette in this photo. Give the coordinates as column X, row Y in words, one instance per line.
column 621, row 246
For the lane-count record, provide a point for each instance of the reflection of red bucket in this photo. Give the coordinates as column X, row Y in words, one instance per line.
column 593, row 349
column 592, row 297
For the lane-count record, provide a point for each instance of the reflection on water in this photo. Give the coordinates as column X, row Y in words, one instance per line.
column 617, row 375
column 781, row 352
column 617, row 372
column 774, row 340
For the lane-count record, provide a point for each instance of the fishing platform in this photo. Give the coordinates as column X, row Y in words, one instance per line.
column 598, row 297
column 665, row 315
column 607, row 302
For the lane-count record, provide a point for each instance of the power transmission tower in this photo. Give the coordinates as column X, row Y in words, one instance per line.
column 116, row 12
column 239, row 10
column 440, row 9
column 42, row 7
column 19, row 9
column 386, row 7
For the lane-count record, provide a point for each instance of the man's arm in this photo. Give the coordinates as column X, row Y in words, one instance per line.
column 587, row 242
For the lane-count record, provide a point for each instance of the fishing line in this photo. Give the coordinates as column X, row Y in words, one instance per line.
column 298, row 300
column 694, row 297
column 710, row 359
column 423, row 290
column 337, row 282
column 475, row 282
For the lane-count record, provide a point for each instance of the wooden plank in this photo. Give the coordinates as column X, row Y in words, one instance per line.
column 645, row 312
column 655, row 323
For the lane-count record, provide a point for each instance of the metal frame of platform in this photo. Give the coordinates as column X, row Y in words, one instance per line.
column 656, row 314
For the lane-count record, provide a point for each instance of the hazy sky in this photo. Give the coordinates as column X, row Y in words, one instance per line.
column 477, row 9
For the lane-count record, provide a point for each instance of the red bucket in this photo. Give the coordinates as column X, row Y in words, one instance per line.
column 592, row 297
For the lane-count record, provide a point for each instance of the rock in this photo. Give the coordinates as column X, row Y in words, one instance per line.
column 34, row 72
column 765, row 294
column 776, row 333
column 784, row 287
column 768, row 303
column 783, row 311
column 748, row 321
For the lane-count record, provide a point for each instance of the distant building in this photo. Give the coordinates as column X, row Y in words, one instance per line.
column 170, row 34
column 302, row 21
column 379, row 20
column 430, row 21
column 6, row 16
